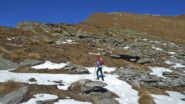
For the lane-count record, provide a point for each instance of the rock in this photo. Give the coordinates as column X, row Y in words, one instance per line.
column 183, row 99
column 33, row 26
column 106, row 101
column 60, row 82
column 96, row 84
column 7, row 64
column 94, row 90
column 14, row 97
column 170, row 74
column 126, row 57
column 144, row 61
column 84, row 82
column 75, row 69
column 30, row 62
column 32, row 80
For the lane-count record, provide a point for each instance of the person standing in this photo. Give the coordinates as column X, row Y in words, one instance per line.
column 99, row 64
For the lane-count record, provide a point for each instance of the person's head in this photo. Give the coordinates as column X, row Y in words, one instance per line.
column 98, row 56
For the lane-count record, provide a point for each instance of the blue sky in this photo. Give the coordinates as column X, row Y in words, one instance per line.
column 75, row 11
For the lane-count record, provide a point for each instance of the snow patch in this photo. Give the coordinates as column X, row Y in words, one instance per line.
column 50, row 65
column 175, row 65
column 172, row 53
column 173, row 98
column 126, row 48
column 145, row 39
column 9, row 39
column 40, row 97
column 105, row 69
column 67, row 41
column 71, row 101
column 158, row 71
column 117, row 86
column 95, row 54
column 156, row 48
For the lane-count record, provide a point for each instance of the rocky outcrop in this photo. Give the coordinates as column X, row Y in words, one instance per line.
column 94, row 90
column 14, row 97
column 139, row 78
column 30, row 62
column 75, row 69
column 33, row 26
column 126, row 57
column 7, row 64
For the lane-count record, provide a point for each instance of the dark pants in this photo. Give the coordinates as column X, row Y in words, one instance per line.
column 99, row 70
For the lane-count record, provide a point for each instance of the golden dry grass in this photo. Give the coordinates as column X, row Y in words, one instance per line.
column 145, row 97
column 161, row 27
column 34, row 56
column 9, row 86
column 17, row 55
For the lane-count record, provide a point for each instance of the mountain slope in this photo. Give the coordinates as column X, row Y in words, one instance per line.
column 164, row 27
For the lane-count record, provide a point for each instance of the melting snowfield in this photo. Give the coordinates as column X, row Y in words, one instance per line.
column 41, row 97
column 173, row 98
column 158, row 71
column 127, row 95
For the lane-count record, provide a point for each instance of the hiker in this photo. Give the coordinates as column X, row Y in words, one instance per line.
column 99, row 64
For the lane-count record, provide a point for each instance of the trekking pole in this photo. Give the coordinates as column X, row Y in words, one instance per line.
column 95, row 73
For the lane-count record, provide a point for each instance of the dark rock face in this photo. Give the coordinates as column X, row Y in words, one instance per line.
column 14, row 97
column 126, row 57
column 93, row 90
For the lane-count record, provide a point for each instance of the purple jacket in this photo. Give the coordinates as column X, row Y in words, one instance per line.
column 99, row 63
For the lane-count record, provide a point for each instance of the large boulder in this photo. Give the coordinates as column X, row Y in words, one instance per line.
column 144, row 61
column 30, row 62
column 75, row 69
column 94, row 90
column 14, row 97
column 7, row 64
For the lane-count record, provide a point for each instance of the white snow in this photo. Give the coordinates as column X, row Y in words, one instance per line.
column 95, row 54
column 158, row 71
column 127, row 95
column 126, row 48
column 173, row 98
column 172, row 53
column 156, row 48
column 175, row 65
column 40, row 97
column 122, row 89
column 9, row 39
column 50, row 65
column 71, row 101
column 67, row 41
column 152, row 41
column 145, row 39
column 105, row 69
column 100, row 49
